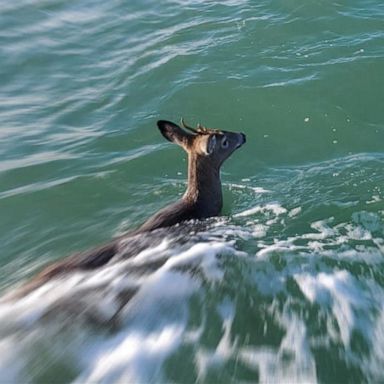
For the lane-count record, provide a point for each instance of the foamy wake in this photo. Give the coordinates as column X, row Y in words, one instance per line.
column 277, row 309
column 55, row 318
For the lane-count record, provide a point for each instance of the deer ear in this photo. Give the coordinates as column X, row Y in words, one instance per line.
column 173, row 132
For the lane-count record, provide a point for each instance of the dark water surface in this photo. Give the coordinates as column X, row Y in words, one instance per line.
column 286, row 286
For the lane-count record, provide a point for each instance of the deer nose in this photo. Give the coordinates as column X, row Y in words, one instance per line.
column 241, row 140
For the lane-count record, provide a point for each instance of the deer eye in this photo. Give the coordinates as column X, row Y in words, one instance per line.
column 224, row 142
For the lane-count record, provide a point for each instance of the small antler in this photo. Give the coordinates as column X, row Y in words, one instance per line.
column 188, row 127
column 200, row 130
column 203, row 130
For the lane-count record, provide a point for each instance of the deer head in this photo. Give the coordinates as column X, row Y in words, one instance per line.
column 209, row 146
column 207, row 150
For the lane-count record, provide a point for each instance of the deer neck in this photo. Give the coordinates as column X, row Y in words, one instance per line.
column 204, row 185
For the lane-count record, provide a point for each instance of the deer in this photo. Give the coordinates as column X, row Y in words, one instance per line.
column 207, row 150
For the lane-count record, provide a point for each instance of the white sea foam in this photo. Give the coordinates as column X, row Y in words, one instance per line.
column 205, row 358
column 155, row 320
column 256, row 190
column 11, row 361
column 340, row 292
column 152, row 323
column 294, row 212
column 259, row 230
column 135, row 357
column 323, row 229
column 376, row 361
column 274, row 208
column 272, row 363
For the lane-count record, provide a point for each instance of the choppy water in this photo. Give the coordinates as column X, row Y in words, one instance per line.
column 286, row 286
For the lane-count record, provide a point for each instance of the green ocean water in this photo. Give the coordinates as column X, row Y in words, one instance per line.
column 291, row 281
